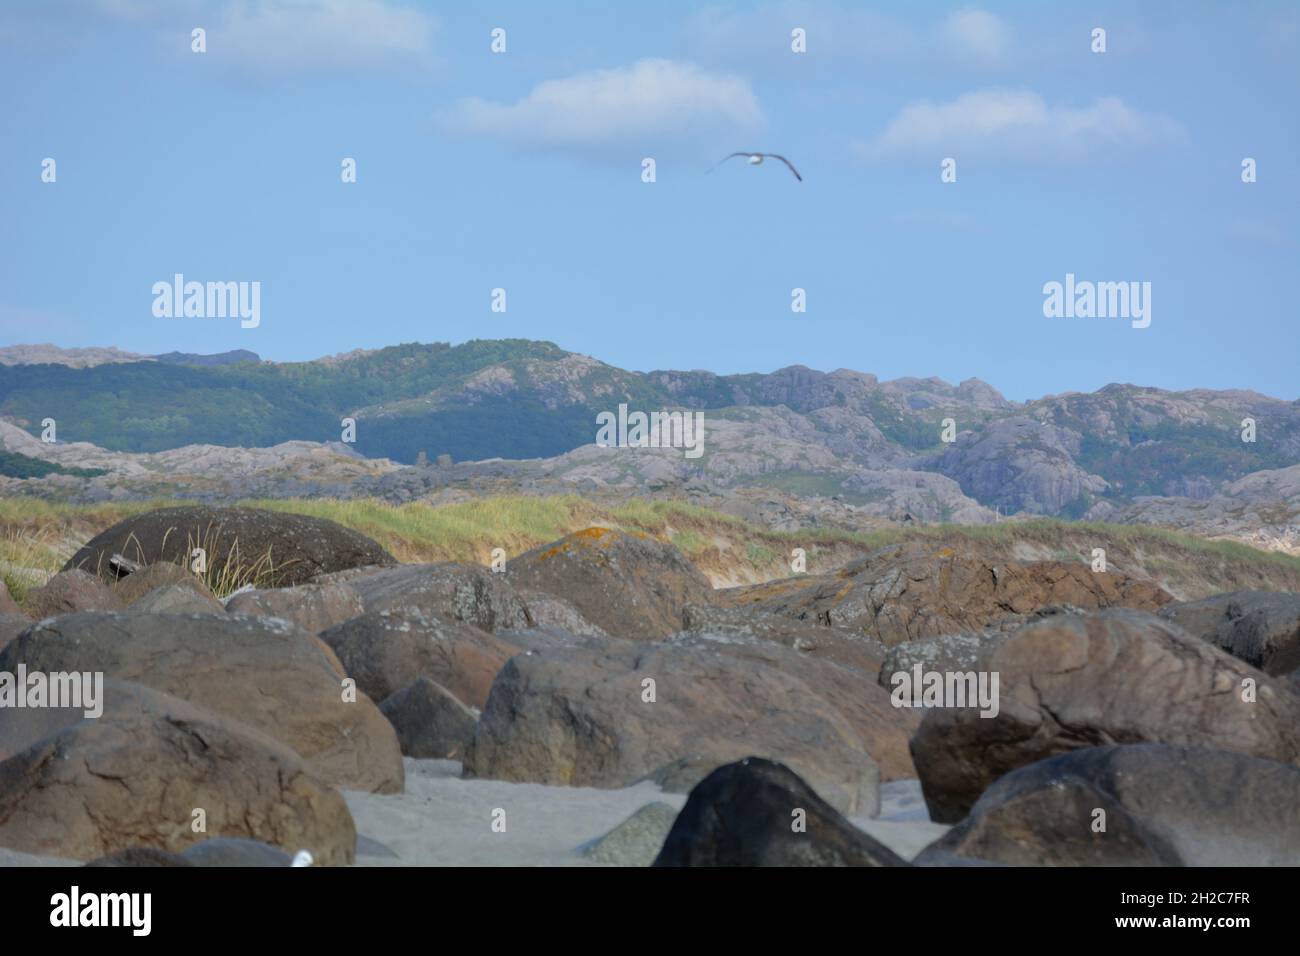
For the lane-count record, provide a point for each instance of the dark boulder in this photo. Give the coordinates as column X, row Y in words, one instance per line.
column 269, row 548
column 429, row 720
column 1135, row 805
column 759, row 813
column 1261, row 628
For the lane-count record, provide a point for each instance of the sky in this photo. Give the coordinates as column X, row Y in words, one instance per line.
column 523, row 170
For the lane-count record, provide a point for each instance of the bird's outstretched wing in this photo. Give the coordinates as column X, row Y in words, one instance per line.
column 724, row 159
column 788, row 163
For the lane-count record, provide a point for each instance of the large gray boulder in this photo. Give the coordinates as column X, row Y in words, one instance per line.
column 582, row 716
column 176, row 599
column 135, row 777
column 313, row 607
column 462, row 592
column 430, row 721
column 1260, row 627
column 1112, row 677
column 385, row 651
column 262, row 672
column 1159, row 805
column 69, row 591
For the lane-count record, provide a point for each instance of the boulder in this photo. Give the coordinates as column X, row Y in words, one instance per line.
column 745, row 626
column 429, row 720
column 914, row 590
column 883, row 730
column 555, row 613
column 463, row 592
column 627, row 584
column 313, row 607
column 272, row 548
column 8, row 606
column 70, row 591
column 153, row 576
column 950, row 653
column 219, row 851
column 176, row 599
column 236, row 851
column 1111, row 677
column 580, row 716
column 759, row 813
column 637, row 840
column 1163, row 806
column 1261, row 628
column 384, row 651
column 263, row 672
column 11, row 625
column 134, row 777
column 136, row 856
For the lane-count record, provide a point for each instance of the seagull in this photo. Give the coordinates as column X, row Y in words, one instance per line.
column 756, row 159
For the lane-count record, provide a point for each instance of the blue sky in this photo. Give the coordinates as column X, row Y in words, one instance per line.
column 522, row 170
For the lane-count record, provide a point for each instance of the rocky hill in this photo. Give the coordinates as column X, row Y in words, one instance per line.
column 520, row 416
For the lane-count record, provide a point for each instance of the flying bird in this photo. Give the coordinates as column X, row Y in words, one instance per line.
column 756, row 159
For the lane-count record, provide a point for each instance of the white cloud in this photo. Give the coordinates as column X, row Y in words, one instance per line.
column 969, row 36
column 649, row 103
column 286, row 35
column 278, row 37
column 977, row 35
column 1016, row 124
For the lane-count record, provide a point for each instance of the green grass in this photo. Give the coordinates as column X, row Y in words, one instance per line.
column 40, row 535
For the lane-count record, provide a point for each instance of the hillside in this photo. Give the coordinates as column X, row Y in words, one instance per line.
column 841, row 435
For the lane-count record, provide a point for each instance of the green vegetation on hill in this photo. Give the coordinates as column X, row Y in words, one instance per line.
column 14, row 465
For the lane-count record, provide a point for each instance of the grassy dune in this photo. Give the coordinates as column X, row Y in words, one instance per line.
column 37, row 537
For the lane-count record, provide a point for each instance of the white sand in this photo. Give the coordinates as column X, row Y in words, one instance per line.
column 443, row 820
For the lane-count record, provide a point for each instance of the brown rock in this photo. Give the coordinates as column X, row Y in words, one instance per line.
column 629, row 585
column 384, row 651
column 838, row 644
column 134, row 778
column 577, row 716
column 176, row 599
column 70, row 591
column 430, row 721
column 1163, row 805
column 153, row 576
column 914, row 590
column 313, row 607
column 263, row 672
column 462, row 592
column 883, row 731
column 8, row 606
column 1110, row 677
column 11, row 626
column 1261, row 628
